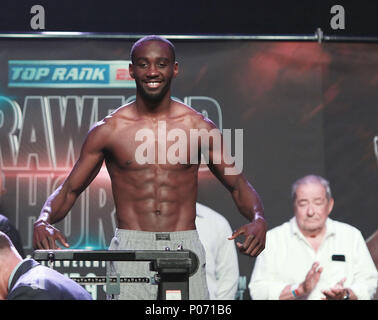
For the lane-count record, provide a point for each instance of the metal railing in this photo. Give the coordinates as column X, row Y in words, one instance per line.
column 318, row 36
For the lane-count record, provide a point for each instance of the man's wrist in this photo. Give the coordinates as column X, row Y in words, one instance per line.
column 44, row 217
column 297, row 290
column 40, row 221
column 258, row 215
column 346, row 294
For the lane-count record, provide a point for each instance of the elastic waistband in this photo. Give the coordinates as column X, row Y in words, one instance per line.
column 156, row 236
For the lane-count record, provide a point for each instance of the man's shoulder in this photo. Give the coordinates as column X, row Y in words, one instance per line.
column 42, row 277
column 197, row 119
column 43, row 283
column 116, row 119
column 343, row 227
column 124, row 113
column 180, row 109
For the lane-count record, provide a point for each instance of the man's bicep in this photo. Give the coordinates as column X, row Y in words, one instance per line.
column 89, row 163
column 222, row 172
column 84, row 171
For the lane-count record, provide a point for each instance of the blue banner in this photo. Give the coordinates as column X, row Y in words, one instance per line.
column 69, row 74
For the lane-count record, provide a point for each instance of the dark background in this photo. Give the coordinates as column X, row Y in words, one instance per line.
column 344, row 124
column 193, row 17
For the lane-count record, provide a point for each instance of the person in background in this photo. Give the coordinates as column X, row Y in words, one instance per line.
column 312, row 256
column 5, row 225
column 222, row 268
column 26, row 279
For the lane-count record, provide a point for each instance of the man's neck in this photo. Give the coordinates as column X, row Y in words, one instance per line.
column 5, row 273
column 153, row 108
column 315, row 238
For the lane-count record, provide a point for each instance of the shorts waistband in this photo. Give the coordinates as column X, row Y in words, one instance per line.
column 156, row 236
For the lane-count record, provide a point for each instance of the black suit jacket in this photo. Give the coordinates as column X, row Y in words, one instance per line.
column 32, row 281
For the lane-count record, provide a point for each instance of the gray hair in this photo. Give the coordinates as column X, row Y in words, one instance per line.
column 311, row 179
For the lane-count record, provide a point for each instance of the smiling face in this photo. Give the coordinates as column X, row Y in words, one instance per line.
column 312, row 207
column 153, row 68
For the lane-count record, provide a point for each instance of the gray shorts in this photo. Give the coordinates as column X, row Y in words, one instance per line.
column 142, row 240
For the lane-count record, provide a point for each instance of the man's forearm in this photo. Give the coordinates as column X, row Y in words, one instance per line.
column 287, row 294
column 247, row 200
column 58, row 204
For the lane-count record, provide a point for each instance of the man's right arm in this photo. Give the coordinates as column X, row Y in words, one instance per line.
column 60, row 202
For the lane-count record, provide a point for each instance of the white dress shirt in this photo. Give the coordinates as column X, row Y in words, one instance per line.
column 222, row 268
column 288, row 257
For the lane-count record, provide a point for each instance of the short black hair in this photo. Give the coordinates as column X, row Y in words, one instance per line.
column 152, row 38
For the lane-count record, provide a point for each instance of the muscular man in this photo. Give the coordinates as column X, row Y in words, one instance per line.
column 155, row 198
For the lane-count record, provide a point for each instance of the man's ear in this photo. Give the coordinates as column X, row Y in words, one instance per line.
column 175, row 69
column 131, row 71
column 331, row 202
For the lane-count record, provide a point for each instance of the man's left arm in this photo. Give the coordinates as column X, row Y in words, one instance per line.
column 250, row 206
column 338, row 292
column 244, row 195
column 363, row 284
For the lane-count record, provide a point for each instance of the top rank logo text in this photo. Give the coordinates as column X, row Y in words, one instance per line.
column 69, row 74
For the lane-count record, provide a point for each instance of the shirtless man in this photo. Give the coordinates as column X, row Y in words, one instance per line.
column 155, row 202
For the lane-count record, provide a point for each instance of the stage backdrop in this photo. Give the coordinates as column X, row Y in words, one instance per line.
column 303, row 107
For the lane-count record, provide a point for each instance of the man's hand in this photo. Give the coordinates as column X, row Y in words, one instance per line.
column 312, row 278
column 337, row 292
column 304, row 288
column 254, row 233
column 45, row 235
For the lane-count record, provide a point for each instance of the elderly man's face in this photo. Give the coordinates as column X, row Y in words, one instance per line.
column 311, row 208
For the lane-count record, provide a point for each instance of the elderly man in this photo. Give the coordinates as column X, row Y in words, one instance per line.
column 312, row 256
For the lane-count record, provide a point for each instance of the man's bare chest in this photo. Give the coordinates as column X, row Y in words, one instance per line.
column 161, row 144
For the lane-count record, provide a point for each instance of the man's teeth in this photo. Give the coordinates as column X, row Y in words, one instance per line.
column 153, row 84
